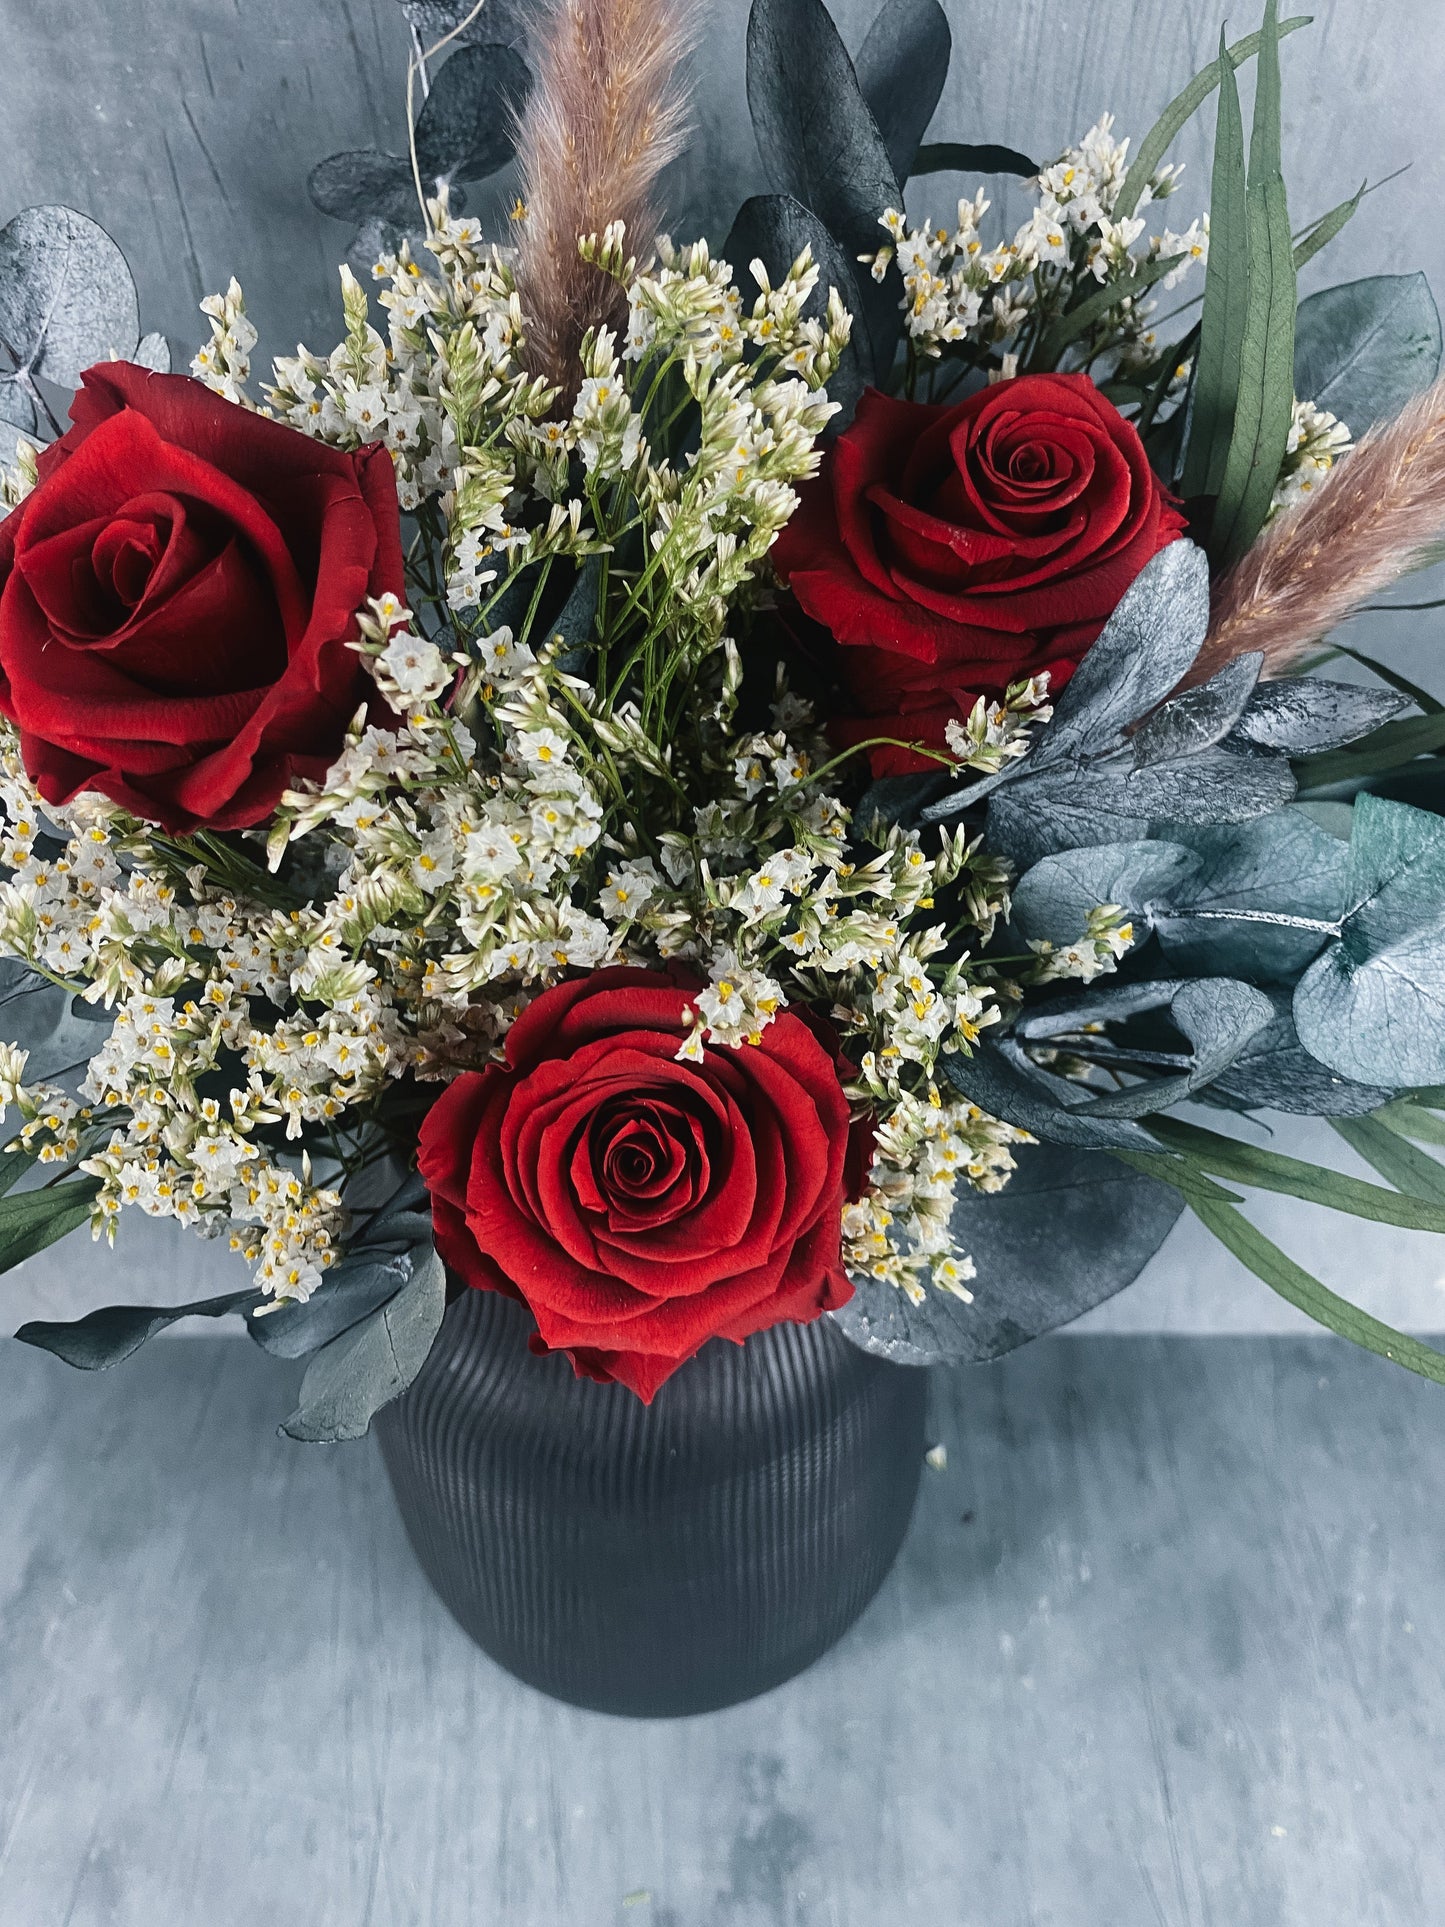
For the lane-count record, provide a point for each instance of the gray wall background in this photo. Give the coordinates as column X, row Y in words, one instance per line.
column 187, row 127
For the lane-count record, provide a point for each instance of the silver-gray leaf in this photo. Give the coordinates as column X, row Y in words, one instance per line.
column 66, row 295
column 1200, row 717
column 1303, row 715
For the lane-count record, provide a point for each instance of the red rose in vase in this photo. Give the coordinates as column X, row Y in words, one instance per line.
column 637, row 1203
column 177, row 600
column 954, row 549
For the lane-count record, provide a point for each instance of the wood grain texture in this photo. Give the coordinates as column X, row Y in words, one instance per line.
column 1162, row 1650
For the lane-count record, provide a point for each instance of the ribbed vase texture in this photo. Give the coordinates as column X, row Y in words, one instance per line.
column 658, row 1559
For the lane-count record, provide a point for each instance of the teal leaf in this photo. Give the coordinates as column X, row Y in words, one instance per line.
column 1001, row 1080
column 1275, row 1072
column 1068, row 1230
column 1054, row 898
column 1373, row 1005
column 901, row 67
column 1363, row 349
column 1219, row 1016
column 349, row 1380
column 103, row 1338
column 350, row 1291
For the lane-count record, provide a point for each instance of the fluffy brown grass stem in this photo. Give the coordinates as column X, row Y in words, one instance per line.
column 607, row 113
column 1381, row 509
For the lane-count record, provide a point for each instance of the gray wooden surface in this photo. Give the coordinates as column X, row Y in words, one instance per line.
column 1162, row 1650
column 188, row 127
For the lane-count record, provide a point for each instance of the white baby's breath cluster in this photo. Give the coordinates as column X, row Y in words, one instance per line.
column 1095, row 953
column 960, row 293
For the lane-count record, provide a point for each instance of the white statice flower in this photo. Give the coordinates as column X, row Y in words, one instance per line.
column 1317, row 439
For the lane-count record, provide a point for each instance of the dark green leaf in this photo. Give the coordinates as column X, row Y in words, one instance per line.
column 103, row 1338
column 775, row 228
column 972, row 157
column 1264, row 403
column 1067, row 1231
column 366, row 183
column 31, row 1220
column 1411, row 1120
column 467, row 127
column 902, row 66
column 1155, row 144
column 1363, row 349
column 1248, row 1164
column 349, row 1380
column 350, row 1291
column 819, row 142
column 13, row 1166
column 1215, row 387
column 1317, row 1301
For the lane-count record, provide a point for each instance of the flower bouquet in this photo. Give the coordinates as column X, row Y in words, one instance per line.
column 660, row 793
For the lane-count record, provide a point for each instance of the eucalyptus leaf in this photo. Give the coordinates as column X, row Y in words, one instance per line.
column 153, row 351
column 1067, row 1231
column 1201, row 716
column 1275, row 1072
column 349, row 1380
column 67, row 299
column 819, row 141
column 971, row 157
column 467, row 127
column 901, row 68
column 775, row 228
column 1303, row 715
column 898, row 799
column 103, row 1338
column 1053, row 899
column 502, row 22
column 1411, row 691
column 1262, row 900
column 1006, row 1085
column 1373, row 1005
column 1218, row 1015
column 1363, row 349
column 364, row 185
column 350, row 1291
column 17, row 411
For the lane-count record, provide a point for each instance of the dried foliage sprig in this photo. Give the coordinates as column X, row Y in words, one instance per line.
column 1376, row 515
column 607, row 114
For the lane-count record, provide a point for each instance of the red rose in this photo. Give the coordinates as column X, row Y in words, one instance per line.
column 639, row 1204
column 177, row 597
column 956, row 549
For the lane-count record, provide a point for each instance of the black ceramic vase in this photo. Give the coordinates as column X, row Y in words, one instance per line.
column 660, row 1559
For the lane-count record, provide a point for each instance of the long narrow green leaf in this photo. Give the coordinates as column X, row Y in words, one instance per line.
column 1280, row 1272
column 1397, row 1160
column 1226, row 301
column 1385, row 748
column 1410, row 1120
column 1227, row 1157
column 1420, row 697
column 1155, row 144
column 1079, row 320
column 31, row 1220
column 1325, row 229
column 1264, row 409
column 1192, row 1184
